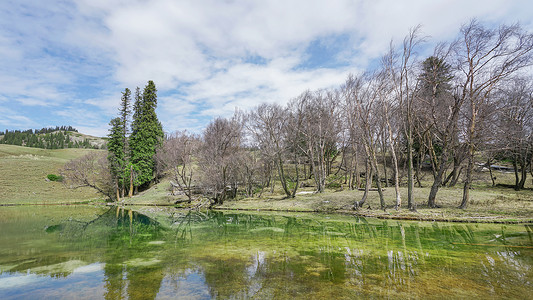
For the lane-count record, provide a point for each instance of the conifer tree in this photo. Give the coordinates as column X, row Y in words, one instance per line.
column 146, row 135
column 117, row 156
column 125, row 112
column 137, row 109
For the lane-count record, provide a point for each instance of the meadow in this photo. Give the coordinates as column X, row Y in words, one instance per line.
column 23, row 176
column 492, row 204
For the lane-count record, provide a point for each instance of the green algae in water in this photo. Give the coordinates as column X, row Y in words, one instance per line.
column 93, row 252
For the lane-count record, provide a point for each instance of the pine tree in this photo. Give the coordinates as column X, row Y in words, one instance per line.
column 137, row 110
column 125, row 112
column 146, row 135
column 436, row 76
column 117, row 156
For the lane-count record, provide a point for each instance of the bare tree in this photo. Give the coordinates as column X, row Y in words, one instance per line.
column 353, row 131
column 177, row 157
column 250, row 171
column 485, row 58
column 402, row 68
column 364, row 103
column 391, row 117
column 218, row 158
column 270, row 128
column 319, row 128
column 91, row 170
column 514, row 125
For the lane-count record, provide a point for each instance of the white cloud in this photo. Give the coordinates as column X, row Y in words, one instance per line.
column 206, row 57
column 201, row 47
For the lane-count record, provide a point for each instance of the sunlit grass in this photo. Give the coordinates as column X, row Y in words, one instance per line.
column 487, row 203
column 23, row 174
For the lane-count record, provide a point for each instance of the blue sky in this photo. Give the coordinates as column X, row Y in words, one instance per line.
column 67, row 62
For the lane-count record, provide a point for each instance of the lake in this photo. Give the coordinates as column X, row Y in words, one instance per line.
column 86, row 252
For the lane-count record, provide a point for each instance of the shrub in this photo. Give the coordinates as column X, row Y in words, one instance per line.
column 53, row 177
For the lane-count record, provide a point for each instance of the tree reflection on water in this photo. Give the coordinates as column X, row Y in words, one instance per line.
column 165, row 253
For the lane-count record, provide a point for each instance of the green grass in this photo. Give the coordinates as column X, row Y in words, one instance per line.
column 487, row 203
column 23, row 174
column 158, row 194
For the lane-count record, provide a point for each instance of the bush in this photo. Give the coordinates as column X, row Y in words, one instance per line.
column 53, row 177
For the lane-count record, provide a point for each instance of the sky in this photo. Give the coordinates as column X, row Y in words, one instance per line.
column 67, row 62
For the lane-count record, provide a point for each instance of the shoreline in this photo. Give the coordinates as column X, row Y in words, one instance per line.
column 377, row 214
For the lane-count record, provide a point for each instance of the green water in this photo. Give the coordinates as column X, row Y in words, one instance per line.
column 88, row 252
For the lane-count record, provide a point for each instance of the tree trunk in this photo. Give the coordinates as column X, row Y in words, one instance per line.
column 523, row 175
column 130, row 193
column 384, row 157
column 438, row 179
column 421, row 155
column 378, row 181
column 468, row 180
column 368, row 182
column 455, row 178
column 410, row 180
column 454, row 175
column 380, row 192
column 322, row 160
column 282, row 179
column 433, row 157
column 516, row 179
column 356, row 170
column 272, row 182
column 394, row 164
column 118, row 192
column 305, row 171
column 396, row 182
column 448, row 178
column 297, row 183
column 490, row 172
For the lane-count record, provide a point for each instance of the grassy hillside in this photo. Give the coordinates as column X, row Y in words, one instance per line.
column 52, row 139
column 93, row 140
column 23, row 174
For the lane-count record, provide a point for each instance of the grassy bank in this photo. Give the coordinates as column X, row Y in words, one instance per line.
column 494, row 205
column 23, row 174
column 488, row 204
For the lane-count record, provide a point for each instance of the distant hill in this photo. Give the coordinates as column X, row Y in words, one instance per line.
column 52, row 138
column 100, row 142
